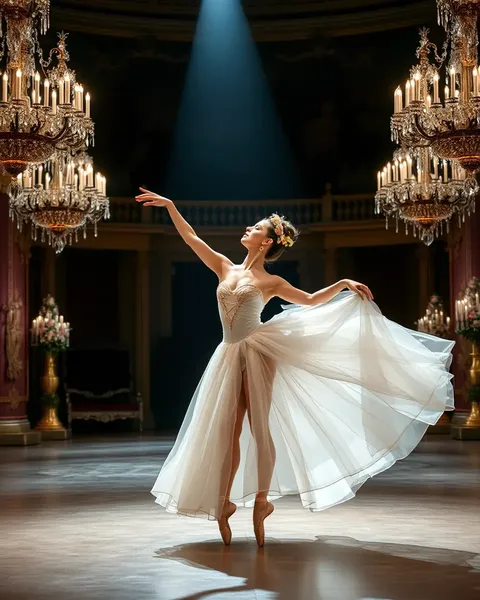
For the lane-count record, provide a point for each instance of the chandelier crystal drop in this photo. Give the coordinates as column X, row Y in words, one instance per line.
column 60, row 199
column 440, row 139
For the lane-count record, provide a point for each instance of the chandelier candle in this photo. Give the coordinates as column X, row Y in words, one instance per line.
column 46, row 93
column 436, row 96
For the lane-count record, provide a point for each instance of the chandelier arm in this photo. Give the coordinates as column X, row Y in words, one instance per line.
column 421, row 130
column 46, row 63
column 62, row 133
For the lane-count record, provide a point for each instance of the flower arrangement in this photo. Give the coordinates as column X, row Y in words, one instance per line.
column 49, row 330
column 434, row 321
column 283, row 239
column 467, row 312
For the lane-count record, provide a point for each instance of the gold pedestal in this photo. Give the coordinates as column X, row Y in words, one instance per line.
column 49, row 420
column 470, row 428
column 50, row 423
column 56, row 434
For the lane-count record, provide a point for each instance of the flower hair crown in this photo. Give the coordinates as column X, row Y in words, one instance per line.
column 282, row 238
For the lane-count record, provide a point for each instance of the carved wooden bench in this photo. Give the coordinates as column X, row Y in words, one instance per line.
column 99, row 387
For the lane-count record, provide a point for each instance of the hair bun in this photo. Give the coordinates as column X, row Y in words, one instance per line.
column 283, row 234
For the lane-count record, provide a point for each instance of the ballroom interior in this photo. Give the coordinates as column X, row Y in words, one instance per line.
column 236, row 110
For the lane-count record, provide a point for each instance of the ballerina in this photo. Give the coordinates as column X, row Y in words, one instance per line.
column 333, row 392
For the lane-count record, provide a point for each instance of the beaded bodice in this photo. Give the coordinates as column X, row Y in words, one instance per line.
column 239, row 310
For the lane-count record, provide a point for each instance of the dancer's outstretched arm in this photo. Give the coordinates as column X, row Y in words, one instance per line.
column 288, row 292
column 214, row 260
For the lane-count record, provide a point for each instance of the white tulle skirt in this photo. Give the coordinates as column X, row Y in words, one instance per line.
column 338, row 393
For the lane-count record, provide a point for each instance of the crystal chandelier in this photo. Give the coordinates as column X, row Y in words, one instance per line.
column 45, row 129
column 60, row 199
column 423, row 192
column 438, row 140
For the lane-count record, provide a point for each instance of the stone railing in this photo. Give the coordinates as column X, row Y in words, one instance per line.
column 358, row 207
column 328, row 209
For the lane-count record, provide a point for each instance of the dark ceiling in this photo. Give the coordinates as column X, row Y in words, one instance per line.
column 271, row 20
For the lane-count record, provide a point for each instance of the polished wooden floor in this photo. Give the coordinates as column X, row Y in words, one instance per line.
column 77, row 521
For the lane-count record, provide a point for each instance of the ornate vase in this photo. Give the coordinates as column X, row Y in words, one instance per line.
column 473, row 419
column 49, row 384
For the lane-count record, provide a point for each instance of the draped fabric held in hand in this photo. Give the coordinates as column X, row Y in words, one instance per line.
column 340, row 390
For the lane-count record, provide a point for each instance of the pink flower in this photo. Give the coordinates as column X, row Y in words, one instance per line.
column 476, row 323
column 278, row 230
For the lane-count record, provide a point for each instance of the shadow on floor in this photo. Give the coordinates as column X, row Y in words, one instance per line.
column 335, row 569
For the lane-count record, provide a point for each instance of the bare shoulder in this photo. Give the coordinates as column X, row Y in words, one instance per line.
column 273, row 283
column 275, row 280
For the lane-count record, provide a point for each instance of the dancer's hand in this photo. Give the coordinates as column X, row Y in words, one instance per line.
column 151, row 199
column 359, row 288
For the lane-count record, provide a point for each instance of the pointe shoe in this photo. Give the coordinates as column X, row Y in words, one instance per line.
column 265, row 511
column 225, row 531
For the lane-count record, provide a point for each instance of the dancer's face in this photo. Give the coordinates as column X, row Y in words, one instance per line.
column 256, row 236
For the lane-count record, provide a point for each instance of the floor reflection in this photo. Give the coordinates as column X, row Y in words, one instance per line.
column 334, row 569
column 78, row 523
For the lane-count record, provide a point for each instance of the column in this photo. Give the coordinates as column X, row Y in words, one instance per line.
column 425, row 290
column 166, row 290
column 127, row 301
column 464, row 245
column 304, row 273
column 142, row 363
column 330, row 256
column 14, row 332
column 311, row 268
